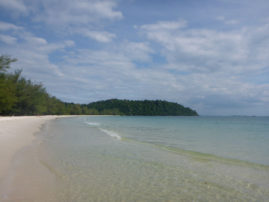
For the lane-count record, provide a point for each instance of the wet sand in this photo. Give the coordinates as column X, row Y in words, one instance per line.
column 20, row 170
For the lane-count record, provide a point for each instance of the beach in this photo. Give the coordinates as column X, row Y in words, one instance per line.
column 19, row 167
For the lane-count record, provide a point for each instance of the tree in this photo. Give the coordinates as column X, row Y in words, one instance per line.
column 7, row 86
column 5, row 62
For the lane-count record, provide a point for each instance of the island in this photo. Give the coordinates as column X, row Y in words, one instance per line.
column 140, row 108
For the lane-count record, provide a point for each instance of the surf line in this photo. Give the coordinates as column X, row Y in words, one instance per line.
column 93, row 123
column 111, row 133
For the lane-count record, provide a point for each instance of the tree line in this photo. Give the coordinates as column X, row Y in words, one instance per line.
column 141, row 108
column 20, row 96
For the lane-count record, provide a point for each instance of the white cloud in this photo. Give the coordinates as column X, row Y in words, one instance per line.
column 105, row 9
column 35, row 40
column 35, row 63
column 100, row 36
column 69, row 43
column 8, row 26
column 81, row 12
column 136, row 51
column 33, row 54
column 164, row 25
column 232, row 22
column 205, row 50
column 228, row 21
column 85, row 17
column 7, row 39
column 15, row 5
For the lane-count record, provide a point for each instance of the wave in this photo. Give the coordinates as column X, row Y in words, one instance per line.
column 111, row 134
column 93, row 123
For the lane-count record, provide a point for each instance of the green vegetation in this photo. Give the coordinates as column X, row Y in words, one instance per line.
column 146, row 107
column 19, row 96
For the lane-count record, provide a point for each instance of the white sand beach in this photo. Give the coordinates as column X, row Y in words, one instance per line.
column 29, row 180
column 15, row 133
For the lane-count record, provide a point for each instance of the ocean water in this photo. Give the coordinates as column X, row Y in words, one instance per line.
column 119, row 158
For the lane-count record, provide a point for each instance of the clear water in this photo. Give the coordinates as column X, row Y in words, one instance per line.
column 243, row 138
column 115, row 158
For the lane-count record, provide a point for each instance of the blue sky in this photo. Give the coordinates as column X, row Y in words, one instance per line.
column 210, row 55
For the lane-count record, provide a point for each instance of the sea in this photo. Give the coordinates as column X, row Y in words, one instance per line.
column 156, row 158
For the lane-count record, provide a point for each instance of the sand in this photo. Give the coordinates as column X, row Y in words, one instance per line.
column 16, row 135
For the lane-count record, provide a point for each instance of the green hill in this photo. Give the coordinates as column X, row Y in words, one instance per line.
column 143, row 108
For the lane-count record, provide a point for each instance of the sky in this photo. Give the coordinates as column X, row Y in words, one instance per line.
column 210, row 55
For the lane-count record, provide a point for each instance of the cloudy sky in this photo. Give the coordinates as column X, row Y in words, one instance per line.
column 211, row 55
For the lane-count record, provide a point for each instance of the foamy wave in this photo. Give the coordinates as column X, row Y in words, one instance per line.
column 93, row 123
column 111, row 134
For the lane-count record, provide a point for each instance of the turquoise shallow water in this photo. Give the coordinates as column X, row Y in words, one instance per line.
column 243, row 138
column 117, row 158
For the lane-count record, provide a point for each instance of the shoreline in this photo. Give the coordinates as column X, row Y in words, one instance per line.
column 22, row 175
column 17, row 132
column 61, row 160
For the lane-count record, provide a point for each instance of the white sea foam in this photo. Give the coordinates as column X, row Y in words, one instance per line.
column 111, row 133
column 93, row 123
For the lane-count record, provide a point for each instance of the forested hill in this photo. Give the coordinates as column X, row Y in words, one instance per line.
column 19, row 96
column 146, row 107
